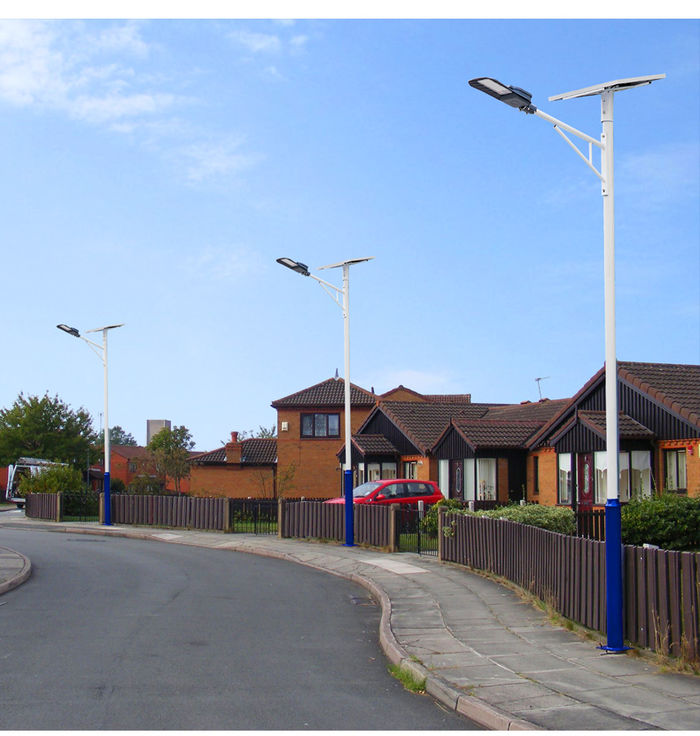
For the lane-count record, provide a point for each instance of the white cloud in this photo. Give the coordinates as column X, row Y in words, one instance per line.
column 224, row 263
column 215, row 159
column 257, row 42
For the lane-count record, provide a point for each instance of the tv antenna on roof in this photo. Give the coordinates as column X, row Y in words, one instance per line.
column 539, row 388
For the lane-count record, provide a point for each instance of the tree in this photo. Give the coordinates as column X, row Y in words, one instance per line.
column 170, row 450
column 262, row 433
column 118, row 436
column 57, row 479
column 46, row 428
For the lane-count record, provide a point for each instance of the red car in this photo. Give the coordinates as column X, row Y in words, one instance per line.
column 397, row 490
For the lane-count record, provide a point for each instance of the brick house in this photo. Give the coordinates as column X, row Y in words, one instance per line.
column 310, row 426
column 127, row 463
column 659, row 430
column 241, row 469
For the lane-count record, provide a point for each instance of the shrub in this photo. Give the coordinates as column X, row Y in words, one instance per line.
column 668, row 521
column 553, row 518
column 429, row 524
column 57, row 479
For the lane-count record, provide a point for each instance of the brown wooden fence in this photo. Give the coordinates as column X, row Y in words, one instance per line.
column 661, row 589
column 46, row 506
column 374, row 525
column 171, row 511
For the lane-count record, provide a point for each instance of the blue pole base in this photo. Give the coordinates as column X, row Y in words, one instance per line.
column 108, row 502
column 349, row 510
column 613, row 650
column 613, row 571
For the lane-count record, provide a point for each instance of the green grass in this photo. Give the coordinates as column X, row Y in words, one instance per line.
column 407, row 679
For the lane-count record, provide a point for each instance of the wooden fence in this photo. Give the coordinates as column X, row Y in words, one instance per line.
column 185, row 512
column 46, row 506
column 661, row 589
column 374, row 525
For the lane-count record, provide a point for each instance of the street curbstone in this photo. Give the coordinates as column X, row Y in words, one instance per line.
column 23, row 574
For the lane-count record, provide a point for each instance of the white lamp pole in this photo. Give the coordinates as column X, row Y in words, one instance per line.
column 101, row 352
column 342, row 298
column 519, row 98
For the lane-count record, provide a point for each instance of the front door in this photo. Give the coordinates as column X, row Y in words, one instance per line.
column 457, row 479
column 584, row 486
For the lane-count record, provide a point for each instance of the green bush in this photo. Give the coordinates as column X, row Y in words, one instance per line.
column 668, row 521
column 553, row 518
column 429, row 524
column 56, row 479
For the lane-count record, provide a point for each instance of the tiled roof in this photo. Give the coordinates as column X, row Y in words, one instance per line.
column 327, row 393
column 536, row 411
column 628, row 428
column 374, row 444
column 495, row 433
column 675, row 386
column 254, row 451
column 129, row 451
column 448, row 398
column 259, row 451
column 423, row 423
column 213, row 457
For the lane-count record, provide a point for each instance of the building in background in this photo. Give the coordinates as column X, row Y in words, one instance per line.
column 153, row 426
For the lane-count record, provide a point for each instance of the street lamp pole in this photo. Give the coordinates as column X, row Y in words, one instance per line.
column 101, row 352
column 342, row 298
column 519, row 98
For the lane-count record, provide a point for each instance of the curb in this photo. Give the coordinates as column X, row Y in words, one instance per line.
column 21, row 577
column 467, row 705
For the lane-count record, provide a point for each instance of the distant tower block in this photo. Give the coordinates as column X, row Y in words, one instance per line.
column 153, row 426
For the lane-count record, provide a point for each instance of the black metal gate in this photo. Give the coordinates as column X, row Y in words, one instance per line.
column 81, row 506
column 416, row 533
column 253, row 516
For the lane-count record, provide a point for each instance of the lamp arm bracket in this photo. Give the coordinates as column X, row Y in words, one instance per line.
column 588, row 161
column 97, row 349
column 335, row 294
column 569, row 128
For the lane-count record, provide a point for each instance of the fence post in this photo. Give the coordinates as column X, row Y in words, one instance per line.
column 227, row 526
column 394, row 539
column 102, row 508
column 280, row 517
column 59, row 507
column 441, row 536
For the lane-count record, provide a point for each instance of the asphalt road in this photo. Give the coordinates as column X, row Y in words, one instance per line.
column 113, row 633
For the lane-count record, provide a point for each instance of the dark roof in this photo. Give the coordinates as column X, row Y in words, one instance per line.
column 448, row 398
column 495, row 433
column 423, row 423
column 259, row 451
column 254, row 451
column 327, row 393
column 675, row 386
column 529, row 411
column 373, row 444
column 129, row 451
column 628, row 428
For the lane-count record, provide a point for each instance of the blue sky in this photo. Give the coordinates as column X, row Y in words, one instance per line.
column 152, row 172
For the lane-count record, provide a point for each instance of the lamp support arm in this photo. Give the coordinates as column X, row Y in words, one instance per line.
column 560, row 126
column 333, row 292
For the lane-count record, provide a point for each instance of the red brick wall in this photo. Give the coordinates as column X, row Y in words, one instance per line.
column 547, row 476
column 317, row 469
column 692, row 464
column 232, row 481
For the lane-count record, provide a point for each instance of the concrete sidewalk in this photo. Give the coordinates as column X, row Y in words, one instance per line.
column 483, row 651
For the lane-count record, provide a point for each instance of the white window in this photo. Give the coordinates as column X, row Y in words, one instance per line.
column 640, row 476
column 675, row 470
column 564, row 495
column 444, row 477
column 486, row 478
column 360, row 473
column 469, row 481
column 624, row 472
column 410, row 470
column 388, row 471
column 374, row 471
column 601, row 477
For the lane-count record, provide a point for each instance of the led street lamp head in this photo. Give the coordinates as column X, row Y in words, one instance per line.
column 513, row 96
column 301, row 268
column 69, row 330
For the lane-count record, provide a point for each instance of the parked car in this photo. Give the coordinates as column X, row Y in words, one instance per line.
column 397, row 490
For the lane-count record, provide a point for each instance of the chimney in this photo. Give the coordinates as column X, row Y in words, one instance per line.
column 233, row 449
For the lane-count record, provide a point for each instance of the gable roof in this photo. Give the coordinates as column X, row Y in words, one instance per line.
column 675, row 386
column 482, row 433
column 422, row 423
column 129, row 451
column 536, row 411
column 329, row 393
column 628, row 428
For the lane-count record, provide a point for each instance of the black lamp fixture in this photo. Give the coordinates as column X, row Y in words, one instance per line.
column 297, row 266
column 513, row 96
column 70, row 330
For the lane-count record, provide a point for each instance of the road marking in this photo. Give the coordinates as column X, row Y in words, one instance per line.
column 167, row 536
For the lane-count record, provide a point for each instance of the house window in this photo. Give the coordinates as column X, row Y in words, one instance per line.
column 601, row 478
column 132, row 467
column 634, row 475
column 388, row 471
column 469, row 479
column 675, row 471
column 320, row 425
column 564, row 475
column 444, row 476
column 410, row 470
column 486, row 478
column 536, row 475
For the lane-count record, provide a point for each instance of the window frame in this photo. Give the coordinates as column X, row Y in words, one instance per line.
column 317, row 418
column 677, row 452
